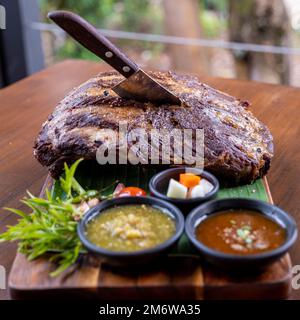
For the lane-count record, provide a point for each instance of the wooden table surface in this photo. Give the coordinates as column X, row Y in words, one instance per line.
column 26, row 104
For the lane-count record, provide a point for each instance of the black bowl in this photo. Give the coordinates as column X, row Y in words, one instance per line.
column 136, row 257
column 239, row 262
column 158, row 187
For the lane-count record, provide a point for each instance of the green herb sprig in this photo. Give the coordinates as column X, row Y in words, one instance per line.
column 52, row 224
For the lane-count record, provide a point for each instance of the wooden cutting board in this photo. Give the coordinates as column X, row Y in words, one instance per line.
column 177, row 276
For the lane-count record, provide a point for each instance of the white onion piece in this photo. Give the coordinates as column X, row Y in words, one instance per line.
column 206, row 185
column 176, row 190
column 196, row 192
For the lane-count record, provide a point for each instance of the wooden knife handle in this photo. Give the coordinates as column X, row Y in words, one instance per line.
column 90, row 38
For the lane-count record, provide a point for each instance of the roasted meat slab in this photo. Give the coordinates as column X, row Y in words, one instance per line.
column 238, row 147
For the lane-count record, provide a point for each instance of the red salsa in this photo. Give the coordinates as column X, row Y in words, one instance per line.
column 240, row 232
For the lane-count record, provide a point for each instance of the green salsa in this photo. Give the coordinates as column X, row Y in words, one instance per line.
column 130, row 228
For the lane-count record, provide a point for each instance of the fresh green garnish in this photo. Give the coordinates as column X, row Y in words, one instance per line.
column 52, row 224
column 240, row 233
column 245, row 234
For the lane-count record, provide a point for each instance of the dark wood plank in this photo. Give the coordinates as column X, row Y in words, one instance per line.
column 26, row 104
column 180, row 277
column 273, row 283
column 93, row 280
column 176, row 277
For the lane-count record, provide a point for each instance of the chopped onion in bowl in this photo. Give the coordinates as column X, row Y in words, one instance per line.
column 176, row 190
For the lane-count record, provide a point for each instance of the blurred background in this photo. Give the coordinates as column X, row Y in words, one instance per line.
column 249, row 39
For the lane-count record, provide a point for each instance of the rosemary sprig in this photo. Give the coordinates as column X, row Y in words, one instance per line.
column 51, row 225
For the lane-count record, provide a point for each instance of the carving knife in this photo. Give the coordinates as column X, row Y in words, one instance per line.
column 138, row 85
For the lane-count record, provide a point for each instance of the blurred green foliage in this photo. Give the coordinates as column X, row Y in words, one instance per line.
column 211, row 24
column 213, row 17
column 217, row 5
column 130, row 15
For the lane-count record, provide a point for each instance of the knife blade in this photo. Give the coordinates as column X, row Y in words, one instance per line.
column 138, row 85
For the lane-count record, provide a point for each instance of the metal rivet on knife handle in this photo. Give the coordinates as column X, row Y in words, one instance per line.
column 126, row 69
column 108, row 54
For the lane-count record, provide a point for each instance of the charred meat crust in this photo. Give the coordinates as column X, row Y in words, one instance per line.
column 238, row 147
